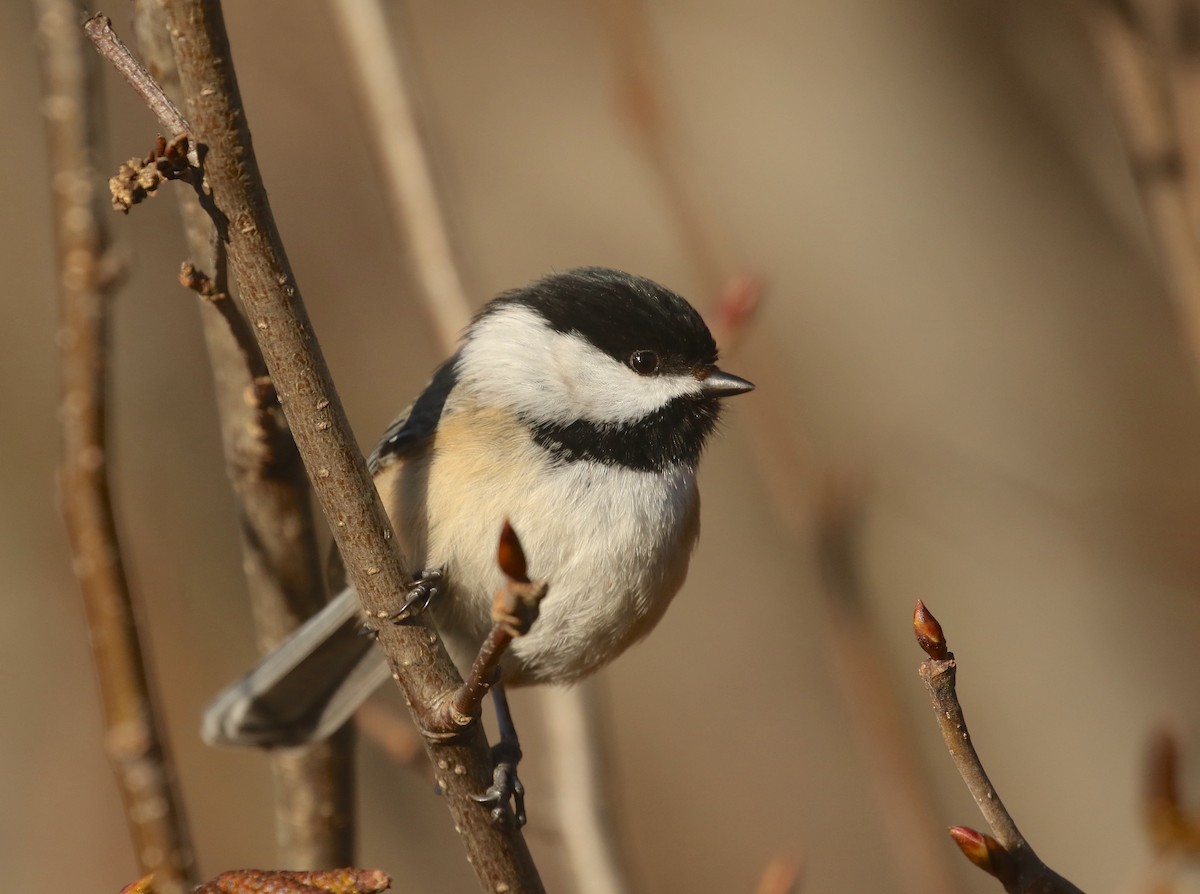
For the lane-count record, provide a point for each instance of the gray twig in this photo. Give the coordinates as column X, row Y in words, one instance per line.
column 1008, row 856
column 99, row 29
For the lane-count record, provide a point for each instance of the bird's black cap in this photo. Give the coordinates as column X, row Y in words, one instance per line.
column 619, row 313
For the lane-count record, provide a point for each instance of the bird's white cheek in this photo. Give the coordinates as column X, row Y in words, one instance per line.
column 594, row 387
column 514, row 360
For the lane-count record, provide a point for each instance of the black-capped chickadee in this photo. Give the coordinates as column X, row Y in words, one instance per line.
column 578, row 408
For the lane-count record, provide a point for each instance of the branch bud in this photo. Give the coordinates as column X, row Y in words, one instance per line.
column 929, row 633
column 510, row 555
column 985, row 852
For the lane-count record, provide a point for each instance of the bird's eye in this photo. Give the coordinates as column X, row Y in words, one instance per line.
column 643, row 362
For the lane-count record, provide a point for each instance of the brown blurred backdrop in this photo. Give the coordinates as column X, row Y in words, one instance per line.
column 962, row 305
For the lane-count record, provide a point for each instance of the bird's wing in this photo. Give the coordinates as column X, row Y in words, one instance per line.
column 414, row 428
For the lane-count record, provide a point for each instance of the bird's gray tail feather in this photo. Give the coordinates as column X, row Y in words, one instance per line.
column 303, row 690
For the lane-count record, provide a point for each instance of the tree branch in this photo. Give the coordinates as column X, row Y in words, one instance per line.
column 134, row 740
column 1008, row 856
column 404, row 163
column 314, row 787
column 373, row 562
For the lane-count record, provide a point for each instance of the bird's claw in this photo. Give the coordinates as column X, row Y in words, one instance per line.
column 505, row 787
column 422, row 591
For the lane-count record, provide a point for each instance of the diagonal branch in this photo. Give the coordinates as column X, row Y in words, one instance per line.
column 314, row 786
column 134, row 740
column 419, row 661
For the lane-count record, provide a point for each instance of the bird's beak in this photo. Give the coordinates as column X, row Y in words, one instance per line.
column 719, row 383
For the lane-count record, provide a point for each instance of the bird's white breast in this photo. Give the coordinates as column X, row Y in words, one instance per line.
column 612, row 542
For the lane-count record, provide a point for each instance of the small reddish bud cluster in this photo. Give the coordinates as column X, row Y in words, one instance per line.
column 139, row 178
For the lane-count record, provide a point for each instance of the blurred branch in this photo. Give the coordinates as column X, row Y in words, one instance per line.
column 134, row 740
column 314, row 786
column 870, row 698
column 640, row 98
column 347, row 495
column 575, row 746
column 1008, row 856
column 404, row 164
column 390, row 100
column 735, row 293
column 1165, row 168
column 885, row 740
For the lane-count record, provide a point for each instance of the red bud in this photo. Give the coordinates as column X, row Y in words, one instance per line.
column 929, row 633
column 510, row 555
column 985, row 852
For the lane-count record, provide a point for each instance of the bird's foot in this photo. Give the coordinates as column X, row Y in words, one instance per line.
column 506, row 786
column 425, row 587
column 422, row 591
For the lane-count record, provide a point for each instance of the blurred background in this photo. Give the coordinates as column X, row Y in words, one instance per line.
column 962, row 309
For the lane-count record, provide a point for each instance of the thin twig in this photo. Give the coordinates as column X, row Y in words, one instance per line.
column 251, row 366
column 581, row 787
column 514, row 610
column 314, row 786
column 134, row 740
column 1026, row 874
column 418, row 659
column 99, row 29
column 640, row 97
column 735, row 293
column 404, row 163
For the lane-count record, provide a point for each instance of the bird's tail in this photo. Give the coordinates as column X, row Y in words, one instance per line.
column 303, row 690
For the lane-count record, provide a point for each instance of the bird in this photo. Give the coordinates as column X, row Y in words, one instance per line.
column 577, row 407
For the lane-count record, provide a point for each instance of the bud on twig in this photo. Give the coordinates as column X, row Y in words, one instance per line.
column 929, row 633
column 986, row 853
column 510, row 556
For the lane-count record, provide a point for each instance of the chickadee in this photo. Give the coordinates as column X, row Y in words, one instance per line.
column 577, row 407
